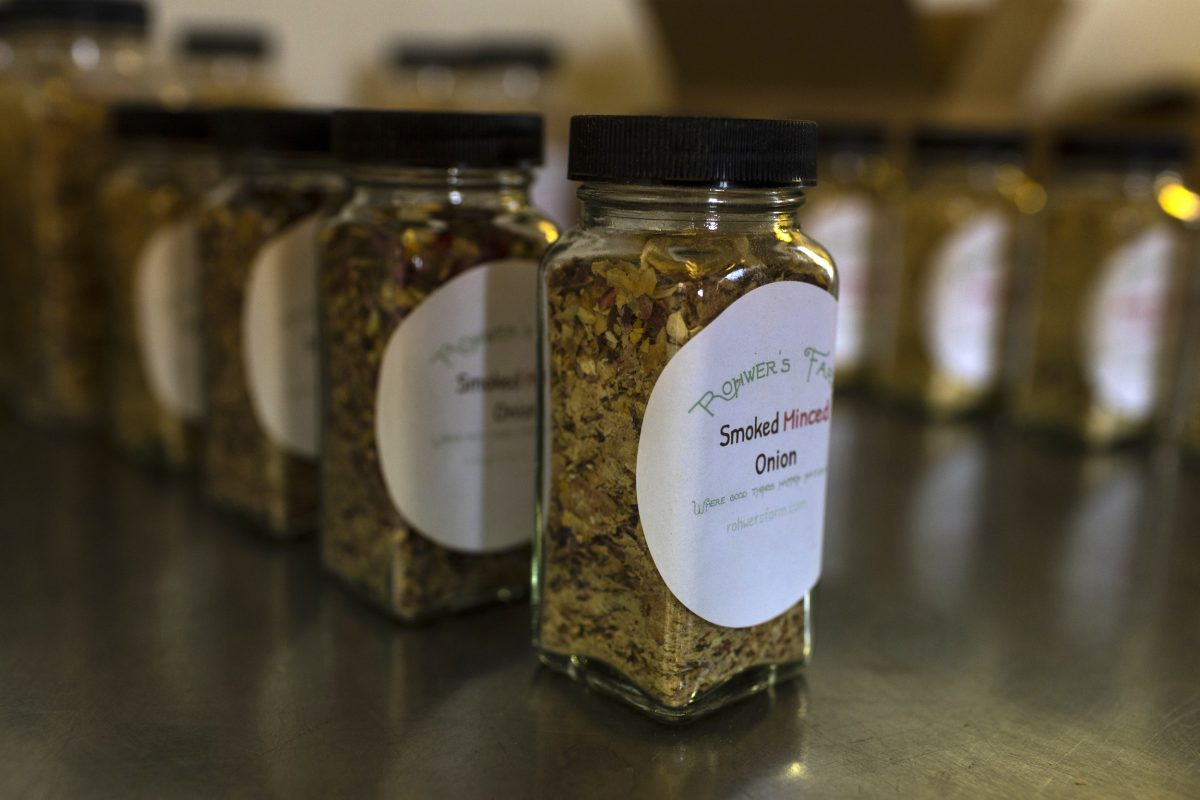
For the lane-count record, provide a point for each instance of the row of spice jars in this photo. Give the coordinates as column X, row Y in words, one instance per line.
column 65, row 63
column 981, row 290
column 685, row 304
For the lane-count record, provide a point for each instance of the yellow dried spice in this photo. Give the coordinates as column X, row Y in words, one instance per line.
column 138, row 203
column 245, row 469
column 611, row 324
column 377, row 267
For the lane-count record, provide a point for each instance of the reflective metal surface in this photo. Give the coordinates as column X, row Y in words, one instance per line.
column 998, row 618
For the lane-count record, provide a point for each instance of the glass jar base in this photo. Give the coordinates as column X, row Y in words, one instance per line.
column 608, row 680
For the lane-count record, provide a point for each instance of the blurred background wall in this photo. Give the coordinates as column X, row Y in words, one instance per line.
column 614, row 56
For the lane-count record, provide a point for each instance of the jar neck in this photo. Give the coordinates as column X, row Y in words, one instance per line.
column 1133, row 179
column 83, row 48
column 659, row 208
column 491, row 188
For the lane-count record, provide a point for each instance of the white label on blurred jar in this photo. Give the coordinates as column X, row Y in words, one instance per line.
column 1123, row 324
column 167, row 318
column 843, row 226
column 279, row 337
column 964, row 300
column 456, row 408
column 732, row 457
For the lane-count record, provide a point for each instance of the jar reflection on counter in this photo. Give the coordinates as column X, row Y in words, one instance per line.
column 847, row 215
column 944, row 311
column 1104, row 316
column 428, row 299
column 257, row 235
column 149, row 204
column 79, row 58
column 686, row 365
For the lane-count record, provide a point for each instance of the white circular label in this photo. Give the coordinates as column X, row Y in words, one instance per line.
column 1124, row 321
column 964, row 300
column 456, row 410
column 732, row 457
column 167, row 318
column 279, row 337
column 843, row 226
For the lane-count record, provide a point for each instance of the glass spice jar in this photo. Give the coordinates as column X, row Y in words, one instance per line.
column 418, row 75
column 428, row 299
column 81, row 56
column 149, row 206
column 960, row 230
column 847, row 215
column 226, row 65
column 1104, row 317
column 686, row 363
column 11, row 200
column 258, row 261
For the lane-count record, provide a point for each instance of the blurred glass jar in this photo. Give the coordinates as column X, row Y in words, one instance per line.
column 226, row 65
column 11, row 200
column 686, row 367
column 428, row 299
column 1105, row 314
column 258, row 266
column 944, row 310
column 167, row 163
column 79, row 56
column 418, row 75
column 847, row 215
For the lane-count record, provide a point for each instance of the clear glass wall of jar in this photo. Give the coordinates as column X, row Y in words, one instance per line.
column 150, row 202
column 944, row 310
column 428, row 298
column 687, row 330
column 79, row 58
column 1110, row 277
column 258, row 264
column 226, row 65
column 847, row 215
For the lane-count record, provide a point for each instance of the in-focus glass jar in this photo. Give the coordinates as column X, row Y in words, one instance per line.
column 258, row 262
column 428, row 299
column 150, row 202
column 686, row 364
column 1105, row 314
column 81, row 56
column 847, row 215
column 944, row 311
column 226, row 65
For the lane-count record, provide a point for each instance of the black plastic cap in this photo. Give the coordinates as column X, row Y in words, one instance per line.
column 149, row 121
column 129, row 14
column 537, row 55
column 438, row 139
column 693, row 151
column 935, row 141
column 424, row 53
column 225, row 40
column 1122, row 148
column 289, row 131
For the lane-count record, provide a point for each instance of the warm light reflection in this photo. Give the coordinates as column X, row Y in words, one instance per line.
column 796, row 770
column 549, row 231
column 783, row 231
column 1179, row 201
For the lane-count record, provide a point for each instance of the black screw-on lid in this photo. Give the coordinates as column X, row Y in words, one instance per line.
column 277, row 130
column 131, row 14
column 225, row 40
column 935, row 141
column 142, row 121
column 429, row 53
column 693, row 150
column 537, row 55
column 438, row 139
column 1118, row 148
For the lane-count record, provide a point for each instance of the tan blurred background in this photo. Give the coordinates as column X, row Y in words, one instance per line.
column 616, row 58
